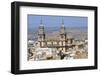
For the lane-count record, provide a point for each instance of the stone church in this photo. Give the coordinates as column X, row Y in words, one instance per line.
column 62, row 43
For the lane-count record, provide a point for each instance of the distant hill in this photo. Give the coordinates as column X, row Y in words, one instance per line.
column 76, row 32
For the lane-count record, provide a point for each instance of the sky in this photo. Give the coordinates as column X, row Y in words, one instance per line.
column 55, row 21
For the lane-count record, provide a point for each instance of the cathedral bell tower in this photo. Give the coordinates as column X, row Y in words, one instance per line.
column 63, row 37
column 41, row 34
column 62, row 31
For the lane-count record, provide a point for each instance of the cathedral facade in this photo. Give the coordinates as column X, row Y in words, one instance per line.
column 62, row 43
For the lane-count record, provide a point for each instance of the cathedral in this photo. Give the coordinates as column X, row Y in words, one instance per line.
column 61, row 47
column 62, row 43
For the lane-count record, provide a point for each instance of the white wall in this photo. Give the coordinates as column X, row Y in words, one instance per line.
column 5, row 27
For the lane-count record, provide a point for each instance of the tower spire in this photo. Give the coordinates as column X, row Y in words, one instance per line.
column 62, row 21
column 62, row 30
column 41, row 21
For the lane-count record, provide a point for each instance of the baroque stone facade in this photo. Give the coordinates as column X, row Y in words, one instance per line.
column 62, row 43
